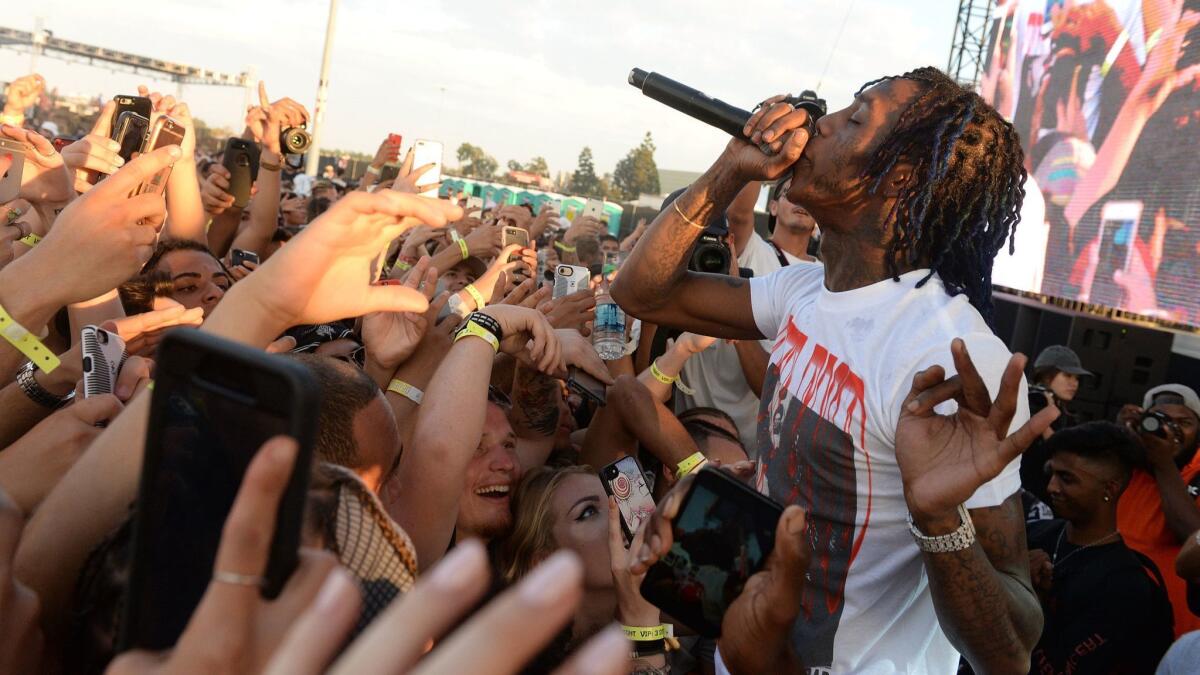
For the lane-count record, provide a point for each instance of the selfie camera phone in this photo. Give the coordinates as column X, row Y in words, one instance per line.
column 12, row 166
column 570, row 279
column 237, row 256
column 722, row 536
column 625, row 481
column 140, row 105
column 103, row 356
column 215, row 403
column 1118, row 238
column 594, row 208
column 428, row 152
column 587, row 386
column 241, row 160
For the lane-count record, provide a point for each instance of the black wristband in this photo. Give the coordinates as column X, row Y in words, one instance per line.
column 649, row 647
column 488, row 323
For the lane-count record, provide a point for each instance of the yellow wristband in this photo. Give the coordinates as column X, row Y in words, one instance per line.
column 473, row 329
column 462, row 246
column 401, row 266
column 690, row 464
column 27, row 343
column 563, row 247
column 645, row 633
column 660, row 375
column 480, row 303
column 30, row 240
column 407, row 391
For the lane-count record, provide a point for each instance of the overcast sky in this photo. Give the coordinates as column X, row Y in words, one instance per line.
column 519, row 78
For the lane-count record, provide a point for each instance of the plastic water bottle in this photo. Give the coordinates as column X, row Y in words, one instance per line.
column 608, row 329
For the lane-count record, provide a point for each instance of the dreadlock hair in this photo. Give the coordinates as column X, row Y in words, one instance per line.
column 964, row 199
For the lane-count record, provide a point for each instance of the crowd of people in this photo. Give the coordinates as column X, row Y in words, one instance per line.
column 456, row 518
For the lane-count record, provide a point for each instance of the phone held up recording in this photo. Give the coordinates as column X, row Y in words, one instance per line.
column 722, row 536
column 214, row 404
column 625, row 481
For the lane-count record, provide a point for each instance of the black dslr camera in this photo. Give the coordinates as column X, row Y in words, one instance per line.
column 1158, row 424
column 295, row 140
column 710, row 253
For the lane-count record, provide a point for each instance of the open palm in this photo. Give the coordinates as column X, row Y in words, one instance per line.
column 944, row 459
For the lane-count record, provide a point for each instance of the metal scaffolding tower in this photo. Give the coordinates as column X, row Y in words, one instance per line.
column 43, row 42
column 970, row 41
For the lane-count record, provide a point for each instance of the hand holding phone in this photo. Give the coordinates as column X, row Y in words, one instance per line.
column 582, row 383
column 625, row 481
column 569, row 279
column 103, row 355
column 241, row 160
column 722, row 533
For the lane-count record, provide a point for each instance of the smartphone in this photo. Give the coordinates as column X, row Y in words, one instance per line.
column 724, row 533
column 241, row 160
column 215, row 402
column 12, row 167
column 428, row 152
column 129, row 132
column 237, row 256
column 395, row 139
column 103, row 356
column 587, row 386
column 569, row 279
column 514, row 235
column 625, row 480
column 612, row 262
column 595, row 209
column 165, row 131
column 389, row 172
column 140, row 105
column 1117, row 238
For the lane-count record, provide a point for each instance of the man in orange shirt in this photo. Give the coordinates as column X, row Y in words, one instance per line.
column 1161, row 506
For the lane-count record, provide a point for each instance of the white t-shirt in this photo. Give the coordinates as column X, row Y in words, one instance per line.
column 841, row 365
column 716, row 374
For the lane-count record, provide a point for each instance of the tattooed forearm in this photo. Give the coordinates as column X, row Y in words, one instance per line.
column 535, row 403
column 983, row 596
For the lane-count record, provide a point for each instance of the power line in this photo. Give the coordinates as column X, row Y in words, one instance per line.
column 836, row 40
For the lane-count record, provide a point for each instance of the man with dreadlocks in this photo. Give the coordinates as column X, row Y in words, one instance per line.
column 917, row 185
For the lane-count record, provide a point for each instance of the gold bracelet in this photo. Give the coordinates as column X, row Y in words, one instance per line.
column 660, row 375
column 685, row 218
column 26, row 343
column 695, row 461
column 264, row 164
column 480, row 303
column 406, row 390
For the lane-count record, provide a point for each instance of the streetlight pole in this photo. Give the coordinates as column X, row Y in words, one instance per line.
column 314, row 152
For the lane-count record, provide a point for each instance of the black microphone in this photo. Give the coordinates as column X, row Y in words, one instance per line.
column 691, row 102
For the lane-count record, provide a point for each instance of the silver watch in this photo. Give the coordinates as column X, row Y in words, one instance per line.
column 958, row 540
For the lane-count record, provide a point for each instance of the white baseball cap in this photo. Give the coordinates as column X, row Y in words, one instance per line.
column 1190, row 400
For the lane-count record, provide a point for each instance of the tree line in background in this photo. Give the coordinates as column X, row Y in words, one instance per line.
column 634, row 175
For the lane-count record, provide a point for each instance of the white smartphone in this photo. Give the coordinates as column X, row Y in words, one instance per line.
column 1117, row 240
column 103, row 356
column 595, row 209
column 428, row 152
column 570, row 279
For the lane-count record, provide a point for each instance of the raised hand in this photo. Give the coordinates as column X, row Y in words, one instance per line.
column 693, row 343
column 45, row 177
column 780, row 128
column 22, row 93
column 499, row 640
column 542, row 222
column 632, row 608
column 100, row 239
column 578, row 351
column 214, row 192
column 571, row 311
column 944, row 459
column 327, row 272
column 142, row 332
column 488, row 282
column 391, row 338
column 528, row 336
column 95, row 153
column 234, row 630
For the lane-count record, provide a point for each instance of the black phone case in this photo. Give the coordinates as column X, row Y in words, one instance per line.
column 750, row 501
column 135, row 104
column 130, row 132
column 575, row 386
column 238, row 256
column 193, row 354
column 241, row 160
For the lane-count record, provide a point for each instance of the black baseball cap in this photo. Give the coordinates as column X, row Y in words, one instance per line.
column 1060, row 358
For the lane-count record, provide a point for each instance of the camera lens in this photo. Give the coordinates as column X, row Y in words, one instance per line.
column 294, row 140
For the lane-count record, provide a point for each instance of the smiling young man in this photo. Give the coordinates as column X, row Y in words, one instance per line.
column 917, row 184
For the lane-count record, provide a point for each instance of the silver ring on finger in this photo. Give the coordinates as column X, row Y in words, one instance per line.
column 234, row 579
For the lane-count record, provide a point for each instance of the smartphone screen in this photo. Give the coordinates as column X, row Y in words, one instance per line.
column 1118, row 236
column 587, row 386
column 130, row 133
column 570, row 279
column 428, row 152
column 214, row 404
column 624, row 480
column 722, row 536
